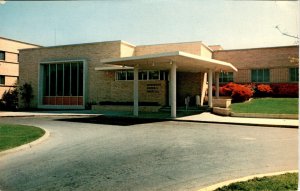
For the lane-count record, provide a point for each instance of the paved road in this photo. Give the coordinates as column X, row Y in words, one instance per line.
column 151, row 156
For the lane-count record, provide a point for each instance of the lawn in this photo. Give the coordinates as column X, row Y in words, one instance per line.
column 285, row 182
column 268, row 106
column 16, row 135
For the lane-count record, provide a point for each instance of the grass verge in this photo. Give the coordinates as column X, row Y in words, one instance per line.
column 267, row 106
column 15, row 135
column 284, row 182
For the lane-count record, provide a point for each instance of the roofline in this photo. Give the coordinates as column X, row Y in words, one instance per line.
column 79, row 44
column 289, row 46
column 171, row 43
column 166, row 54
column 20, row 41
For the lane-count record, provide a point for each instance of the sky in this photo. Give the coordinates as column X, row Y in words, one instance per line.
column 232, row 24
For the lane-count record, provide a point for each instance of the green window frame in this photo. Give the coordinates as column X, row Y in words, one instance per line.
column 294, row 74
column 2, row 80
column 226, row 77
column 260, row 75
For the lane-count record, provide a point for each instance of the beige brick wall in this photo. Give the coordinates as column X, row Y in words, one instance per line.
column 92, row 53
column 127, row 50
column 277, row 59
column 11, row 57
column 278, row 75
column 188, row 84
column 189, row 47
column 10, row 69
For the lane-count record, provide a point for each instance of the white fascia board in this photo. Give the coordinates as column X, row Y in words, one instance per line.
column 99, row 68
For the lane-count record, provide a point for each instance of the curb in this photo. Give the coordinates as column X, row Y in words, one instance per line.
column 27, row 145
column 233, row 123
column 226, row 183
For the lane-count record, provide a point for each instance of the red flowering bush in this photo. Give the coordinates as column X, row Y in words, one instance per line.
column 239, row 93
column 285, row 90
column 263, row 90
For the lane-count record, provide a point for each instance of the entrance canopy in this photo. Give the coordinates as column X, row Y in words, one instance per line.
column 172, row 61
column 185, row 62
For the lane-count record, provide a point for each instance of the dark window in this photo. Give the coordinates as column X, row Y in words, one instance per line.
column 153, row 75
column 2, row 55
column 63, row 79
column 121, row 75
column 260, row 75
column 294, row 74
column 52, row 79
column 2, row 80
column 46, row 80
column 226, row 77
column 130, row 75
column 143, row 75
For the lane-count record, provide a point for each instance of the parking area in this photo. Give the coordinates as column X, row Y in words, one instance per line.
column 149, row 155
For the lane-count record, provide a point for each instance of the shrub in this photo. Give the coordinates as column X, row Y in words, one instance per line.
column 238, row 92
column 263, row 90
column 285, row 90
column 26, row 93
column 9, row 100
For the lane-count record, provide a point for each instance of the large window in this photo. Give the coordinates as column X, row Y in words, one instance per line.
column 63, row 79
column 143, row 75
column 2, row 55
column 260, row 75
column 226, row 77
column 2, row 80
column 294, row 74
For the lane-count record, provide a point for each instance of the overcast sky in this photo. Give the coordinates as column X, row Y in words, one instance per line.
column 232, row 24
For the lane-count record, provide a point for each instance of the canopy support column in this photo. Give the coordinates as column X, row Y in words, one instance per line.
column 173, row 89
column 210, row 88
column 136, row 91
column 217, row 85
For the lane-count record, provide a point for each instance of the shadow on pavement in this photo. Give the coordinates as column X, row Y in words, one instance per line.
column 113, row 120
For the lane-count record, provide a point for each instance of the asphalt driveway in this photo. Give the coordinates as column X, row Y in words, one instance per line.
column 161, row 155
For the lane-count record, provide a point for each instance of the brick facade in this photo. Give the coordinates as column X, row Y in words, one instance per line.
column 276, row 59
column 102, row 85
column 9, row 67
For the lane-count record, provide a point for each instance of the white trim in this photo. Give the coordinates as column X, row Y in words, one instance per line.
column 168, row 54
column 99, row 68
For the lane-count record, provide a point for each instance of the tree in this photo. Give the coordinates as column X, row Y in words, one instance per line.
column 26, row 94
column 9, row 100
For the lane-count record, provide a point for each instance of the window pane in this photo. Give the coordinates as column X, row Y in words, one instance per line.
column 74, row 79
column 52, row 79
column 46, row 79
column 260, row 75
column 80, row 85
column 59, row 79
column 121, row 75
column 153, row 75
column 2, row 55
column 143, row 75
column 129, row 75
column 254, row 75
column 266, row 75
column 67, row 79
column 2, row 79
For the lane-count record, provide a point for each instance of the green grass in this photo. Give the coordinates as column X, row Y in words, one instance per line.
column 285, row 182
column 268, row 106
column 16, row 135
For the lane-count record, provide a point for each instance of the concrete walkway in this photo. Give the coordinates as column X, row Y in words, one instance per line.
column 202, row 117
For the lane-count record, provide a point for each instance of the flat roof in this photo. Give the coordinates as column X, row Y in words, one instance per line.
column 272, row 47
column 185, row 62
column 20, row 41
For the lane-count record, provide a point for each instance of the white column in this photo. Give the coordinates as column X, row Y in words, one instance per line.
column 136, row 91
column 173, row 89
column 217, row 84
column 210, row 88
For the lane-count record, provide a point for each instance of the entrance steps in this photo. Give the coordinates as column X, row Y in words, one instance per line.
column 189, row 109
